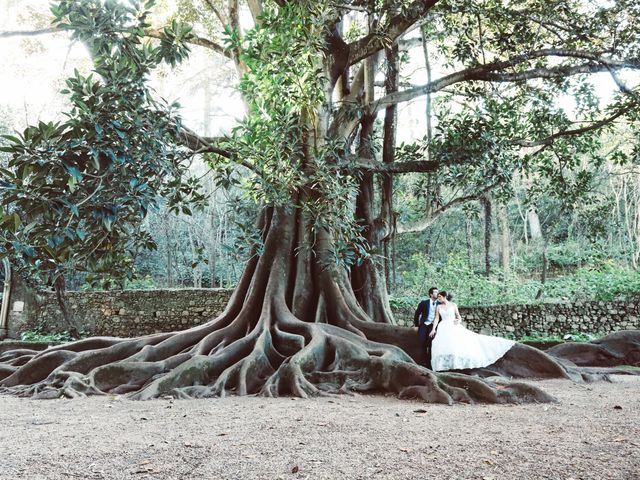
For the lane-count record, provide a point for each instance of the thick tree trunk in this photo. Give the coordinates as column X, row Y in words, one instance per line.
column 367, row 279
column 388, row 156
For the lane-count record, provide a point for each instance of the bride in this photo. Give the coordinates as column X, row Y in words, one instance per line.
column 456, row 348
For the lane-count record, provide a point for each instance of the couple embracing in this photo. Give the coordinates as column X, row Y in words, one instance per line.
column 446, row 344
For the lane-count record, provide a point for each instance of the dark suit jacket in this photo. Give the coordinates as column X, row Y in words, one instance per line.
column 421, row 315
column 422, row 312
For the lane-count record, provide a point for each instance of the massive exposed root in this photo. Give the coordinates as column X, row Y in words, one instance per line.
column 619, row 348
column 280, row 355
column 277, row 355
column 291, row 328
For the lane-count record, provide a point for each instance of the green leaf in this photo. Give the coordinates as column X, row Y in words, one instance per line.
column 74, row 208
column 16, row 222
column 12, row 139
column 75, row 173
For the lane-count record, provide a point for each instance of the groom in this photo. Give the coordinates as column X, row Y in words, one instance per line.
column 423, row 320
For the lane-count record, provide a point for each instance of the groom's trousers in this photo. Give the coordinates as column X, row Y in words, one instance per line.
column 425, row 343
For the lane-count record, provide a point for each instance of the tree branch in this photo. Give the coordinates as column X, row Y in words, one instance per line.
column 570, row 132
column 623, row 86
column 368, row 165
column 234, row 24
column 428, row 166
column 29, row 33
column 221, row 17
column 398, row 25
column 150, row 32
column 490, row 72
column 425, row 223
column 200, row 41
column 255, row 6
column 199, row 144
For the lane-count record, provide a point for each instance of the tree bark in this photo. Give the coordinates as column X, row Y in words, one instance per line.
column 67, row 317
column 196, row 269
column 388, row 156
column 505, row 237
column 543, row 275
column 486, row 203
column 432, row 195
column 468, row 241
column 367, row 278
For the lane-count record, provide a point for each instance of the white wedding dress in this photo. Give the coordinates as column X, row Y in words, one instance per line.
column 455, row 348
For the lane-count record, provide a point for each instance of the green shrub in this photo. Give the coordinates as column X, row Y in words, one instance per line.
column 605, row 282
column 468, row 287
column 404, row 302
column 141, row 283
column 38, row 335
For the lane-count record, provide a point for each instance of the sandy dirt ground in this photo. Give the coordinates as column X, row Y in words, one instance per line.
column 593, row 432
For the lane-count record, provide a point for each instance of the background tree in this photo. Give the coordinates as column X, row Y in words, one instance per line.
column 74, row 194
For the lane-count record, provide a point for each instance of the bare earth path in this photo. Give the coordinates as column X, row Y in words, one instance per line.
column 592, row 433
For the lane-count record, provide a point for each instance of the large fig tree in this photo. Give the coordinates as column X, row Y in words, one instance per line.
column 309, row 315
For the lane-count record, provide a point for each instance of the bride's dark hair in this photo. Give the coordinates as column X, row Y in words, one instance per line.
column 446, row 295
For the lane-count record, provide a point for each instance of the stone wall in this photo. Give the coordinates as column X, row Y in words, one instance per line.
column 546, row 319
column 139, row 312
column 126, row 313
